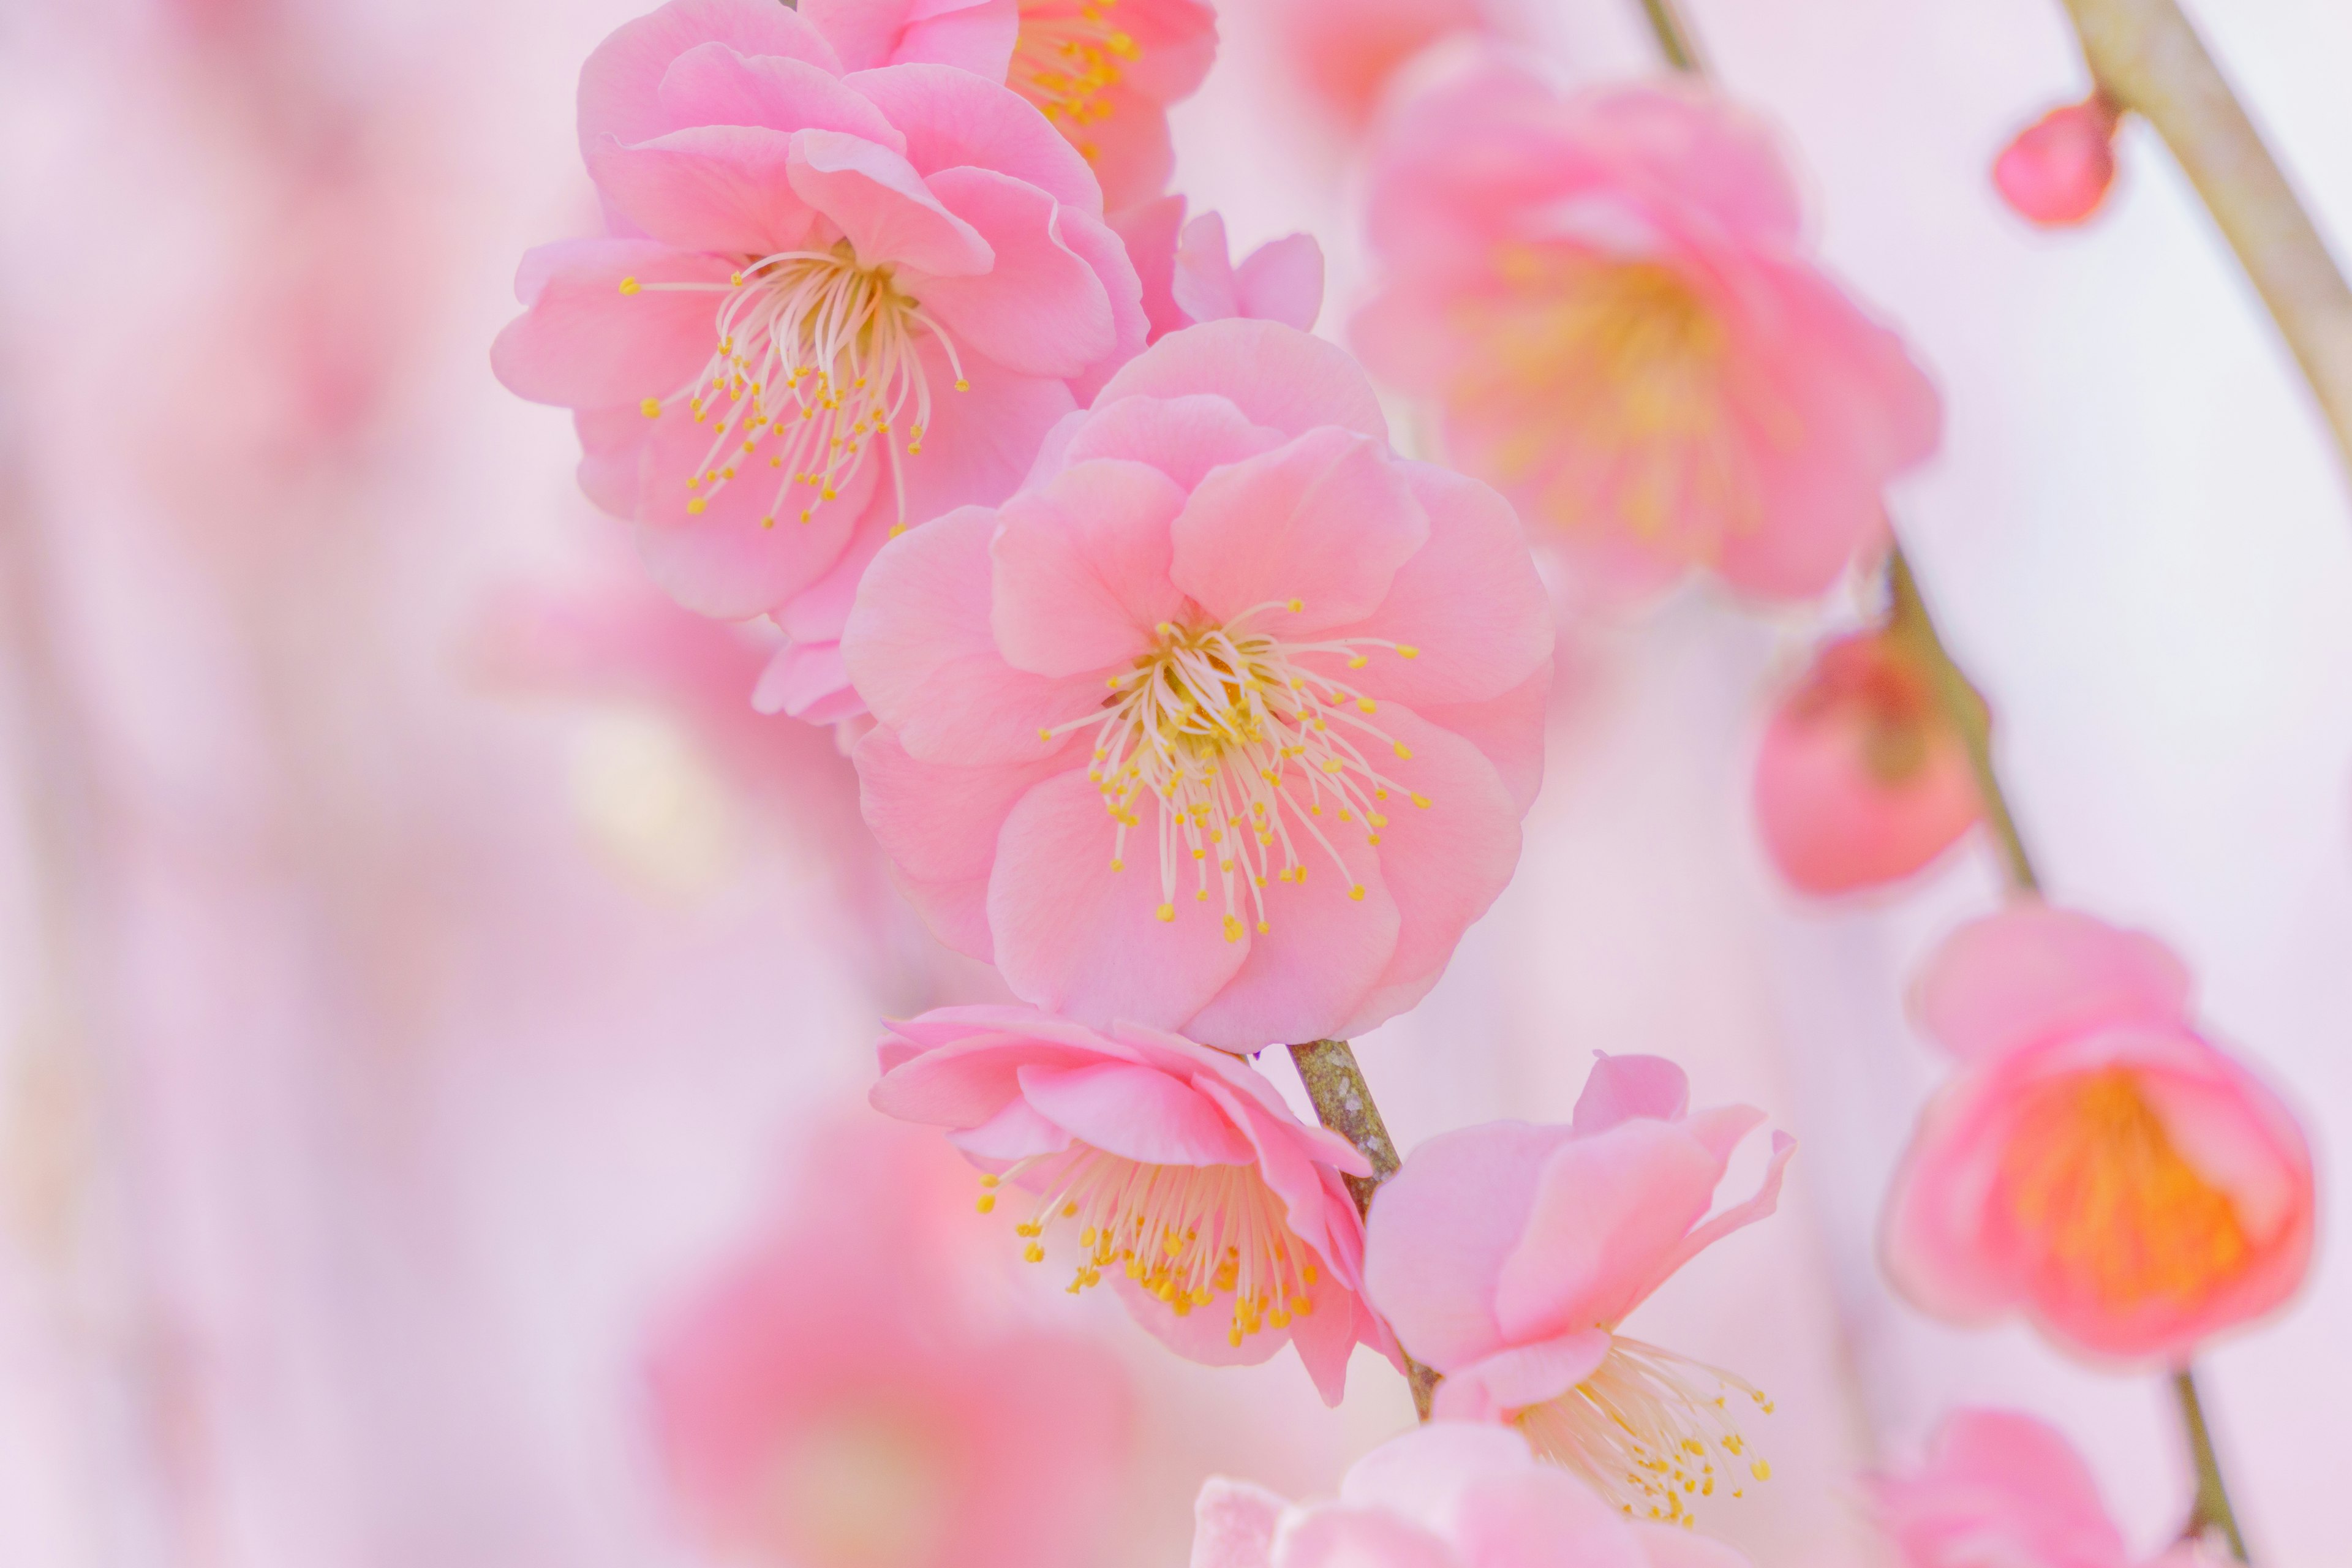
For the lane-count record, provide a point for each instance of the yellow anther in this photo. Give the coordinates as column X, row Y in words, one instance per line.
column 628, row 285
column 768, row 522
column 1357, row 892
column 1358, row 661
column 987, row 1203
column 1233, row 928
column 650, row 407
column 1760, row 1470
column 1119, row 864
column 694, row 508
column 1406, row 651
column 989, row 1179
column 1404, row 750
column 1366, row 705
column 1033, row 1253
column 1297, row 605
column 1167, row 912
column 962, row 385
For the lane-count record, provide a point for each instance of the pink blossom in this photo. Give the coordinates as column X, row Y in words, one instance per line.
column 1300, row 635
column 2058, row 169
column 2095, row 1162
column 1104, row 71
column 1176, row 1166
column 1611, row 301
column 1347, row 51
column 1505, row 1257
column 1860, row 779
column 831, row 304
column 1449, row 1495
column 2003, row 1488
column 834, row 1398
column 1188, row 275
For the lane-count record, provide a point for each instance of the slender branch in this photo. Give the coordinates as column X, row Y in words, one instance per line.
column 1676, row 39
column 1343, row 1102
column 2212, row 1509
column 2144, row 54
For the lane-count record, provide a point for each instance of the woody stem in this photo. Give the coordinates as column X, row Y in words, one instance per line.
column 2212, row 1511
column 1343, row 1102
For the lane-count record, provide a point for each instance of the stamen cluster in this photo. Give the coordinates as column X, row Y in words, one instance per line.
column 1645, row 1429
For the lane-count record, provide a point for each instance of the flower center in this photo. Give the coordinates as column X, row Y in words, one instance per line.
column 860, row 1487
column 818, row 359
column 1067, row 55
column 1627, row 355
column 2091, row 1174
column 1643, row 1429
column 1251, row 755
column 1190, row 1235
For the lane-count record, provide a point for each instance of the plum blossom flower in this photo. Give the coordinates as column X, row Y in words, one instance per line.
column 2095, row 1164
column 1611, row 301
column 831, row 304
column 1226, row 723
column 1189, row 274
column 2002, row 1487
column 2058, row 169
column 1450, row 1495
column 1104, row 71
column 1347, row 51
column 1219, row 1216
column 1505, row 1257
column 835, row 1397
column 1860, row 779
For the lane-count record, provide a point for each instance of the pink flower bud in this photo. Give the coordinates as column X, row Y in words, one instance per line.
column 2058, row 169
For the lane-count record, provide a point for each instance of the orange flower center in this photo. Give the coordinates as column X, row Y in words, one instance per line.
column 1068, row 55
column 2091, row 1177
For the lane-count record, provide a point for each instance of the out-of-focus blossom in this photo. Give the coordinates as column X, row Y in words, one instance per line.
column 1104, row 71
column 1449, row 1495
column 1505, row 1256
column 2059, row 169
column 830, row 304
column 835, row 1397
column 1860, row 779
column 2001, row 1489
column 1188, row 276
column 1347, row 51
column 2095, row 1162
column 1220, row 1215
column 1226, row 723
column 1611, row 301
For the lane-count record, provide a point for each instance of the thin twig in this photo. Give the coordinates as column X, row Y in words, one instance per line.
column 1343, row 1102
column 2212, row 1509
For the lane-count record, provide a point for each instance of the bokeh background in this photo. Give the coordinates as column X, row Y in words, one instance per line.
column 420, row 972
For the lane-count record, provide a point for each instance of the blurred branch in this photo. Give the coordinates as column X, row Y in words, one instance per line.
column 1343, row 1102
column 2212, row 1511
column 2144, row 54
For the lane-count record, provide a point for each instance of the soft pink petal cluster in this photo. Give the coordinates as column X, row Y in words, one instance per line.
column 1612, row 299
column 832, row 304
column 1225, row 725
column 2058, row 169
column 1102, row 71
column 1861, row 780
column 2095, row 1162
column 1347, row 51
column 1505, row 1256
column 831, row 1400
column 2002, row 1488
column 1189, row 274
column 1443, row 1496
column 1175, row 1171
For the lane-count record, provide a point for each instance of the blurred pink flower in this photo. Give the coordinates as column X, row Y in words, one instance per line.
column 1505, row 1256
column 1189, row 274
column 2058, row 169
column 1611, row 299
column 1999, row 1488
column 1861, row 780
column 1176, row 1165
column 1104, row 71
column 832, row 1400
column 1347, row 51
column 870, row 294
column 1442, row 1496
column 1299, row 634
column 2095, row 1162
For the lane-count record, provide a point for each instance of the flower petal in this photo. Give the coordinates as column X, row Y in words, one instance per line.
column 1233, row 1524
column 1276, row 375
column 1183, row 437
column 2032, row 973
column 1620, row 1088
column 952, row 118
column 710, row 84
column 1079, row 568
column 620, row 85
column 584, row 344
column 708, row 187
column 1040, row 310
column 1137, row 1113
column 883, row 206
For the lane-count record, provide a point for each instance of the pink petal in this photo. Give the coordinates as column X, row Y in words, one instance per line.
column 2032, row 972
column 921, row 652
column 1183, row 437
column 620, row 85
column 1137, row 1113
column 943, row 853
column 1496, row 1387
column 1669, row 1546
column 799, row 678
column 1202, row 283
column 1309, row 535
column 1933, row 1239
column 1541, row 1518
column 1609, row 1210
column 980, row 443
column 1074, row 936
column 1509, row 732
column 1326, row 1335
column 1620, row 1088
column 582, row 344
column 1015, row 1134
column 1203, row 1335
column 1702, row 147
column 746, row 551
column 1766, row 1198
column 1149, row 230
column 1440, row 1231
column 708, row 187
column 2001, row 1482
column 1424, row 1474
column 1333, row 1535
column 1093, row 242
column 710, row 84
column 1233, row 1524
column 1277, row 376
column 1079, row 568
column 1040, row 310
column 976, row 35
column 882, row 205
column 612, row 455
column 1282, row 280
column 952, row 118
column 1129, row 149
